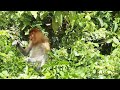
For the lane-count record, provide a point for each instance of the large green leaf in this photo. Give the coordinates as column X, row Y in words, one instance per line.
column 43, row 14
column 115, row 40
column 55, row 25
column 101, row 22
column 58, row 17
column 115, row 26
column 72, row 18
column 34, row 13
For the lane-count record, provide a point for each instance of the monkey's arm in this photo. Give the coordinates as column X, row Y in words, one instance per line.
column 47, row 46
column 25, row 51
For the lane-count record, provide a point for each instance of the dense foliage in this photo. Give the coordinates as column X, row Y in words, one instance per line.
column 84, row 44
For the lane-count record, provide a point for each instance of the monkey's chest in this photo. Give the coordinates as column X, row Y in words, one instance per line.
column 37, row 52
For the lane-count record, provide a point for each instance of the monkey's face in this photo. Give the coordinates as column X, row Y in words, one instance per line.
column 32, row 36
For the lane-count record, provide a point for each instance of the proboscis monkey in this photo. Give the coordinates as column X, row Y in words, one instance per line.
column 37, row 48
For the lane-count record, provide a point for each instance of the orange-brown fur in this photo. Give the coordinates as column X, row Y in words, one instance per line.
column 38, row 36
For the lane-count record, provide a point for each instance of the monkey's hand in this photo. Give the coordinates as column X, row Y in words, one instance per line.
column 14, row 43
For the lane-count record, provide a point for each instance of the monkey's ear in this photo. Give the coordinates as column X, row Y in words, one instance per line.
column 14, row 43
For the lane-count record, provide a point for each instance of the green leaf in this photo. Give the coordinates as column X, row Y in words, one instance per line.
column 34, row 13
column 115, row 40
column 80, row 16
column 5, row 73
column 109, row 40
column 63, row 62
column 1, row 75
column 20, row 12
column 4, row 33
column 96, row 44
column 72, row 18
column 101, row 77
column 43, row 14
column 26, row 70
column 88, row 17
column 76, row 53
column 114, row 45
column 58, row 17
column 92, row 66
column 62, row 73
column 115, row 26
column 94, row 71
column 101, row 22
column 118, row 34
column 3, row 54
column 55, row 25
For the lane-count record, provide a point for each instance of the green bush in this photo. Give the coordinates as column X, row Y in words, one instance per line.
column 84, row 44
